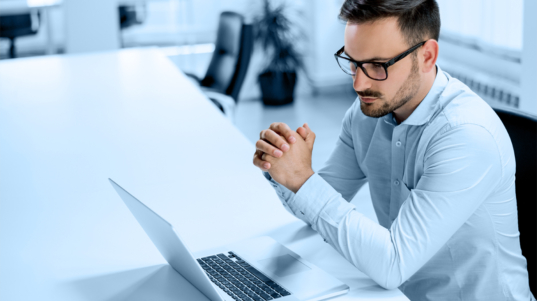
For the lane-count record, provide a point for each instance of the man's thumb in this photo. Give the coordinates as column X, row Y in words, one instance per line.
column 310, row 139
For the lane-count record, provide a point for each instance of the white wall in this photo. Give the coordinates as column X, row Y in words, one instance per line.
column 91, row 25
column 326, row 36
column 528, row 101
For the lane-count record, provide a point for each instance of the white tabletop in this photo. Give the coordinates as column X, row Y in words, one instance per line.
column 8, row 7
column 67, row 123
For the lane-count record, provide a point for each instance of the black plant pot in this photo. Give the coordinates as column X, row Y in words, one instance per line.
column 277, row 88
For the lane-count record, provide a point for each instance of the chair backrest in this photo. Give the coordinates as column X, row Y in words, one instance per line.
column 245, row 53
column 231, row 57
column 128, row 16
column 13, row 26
column 522, row 129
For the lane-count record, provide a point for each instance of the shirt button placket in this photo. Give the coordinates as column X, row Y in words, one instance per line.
column 398, row 162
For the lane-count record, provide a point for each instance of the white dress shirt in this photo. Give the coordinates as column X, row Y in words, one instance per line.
column 443, row 188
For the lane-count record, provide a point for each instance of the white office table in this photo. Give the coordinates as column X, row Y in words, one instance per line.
column 67, row 123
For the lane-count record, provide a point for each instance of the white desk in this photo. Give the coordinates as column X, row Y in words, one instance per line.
column 67, row 123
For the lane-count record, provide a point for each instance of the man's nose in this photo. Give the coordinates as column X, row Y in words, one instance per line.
column 360, row 81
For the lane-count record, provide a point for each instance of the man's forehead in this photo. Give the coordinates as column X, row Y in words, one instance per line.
column 379, row 39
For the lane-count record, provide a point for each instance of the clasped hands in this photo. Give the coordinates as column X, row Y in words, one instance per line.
column 286, row 154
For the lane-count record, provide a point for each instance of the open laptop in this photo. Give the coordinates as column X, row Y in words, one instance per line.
column 256, row 269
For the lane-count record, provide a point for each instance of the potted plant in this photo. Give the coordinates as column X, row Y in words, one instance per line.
column 275, row 33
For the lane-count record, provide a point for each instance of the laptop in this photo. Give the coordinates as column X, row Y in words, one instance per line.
column 256, row 269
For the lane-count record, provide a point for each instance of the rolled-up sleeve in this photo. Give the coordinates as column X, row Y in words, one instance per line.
column 461, row 165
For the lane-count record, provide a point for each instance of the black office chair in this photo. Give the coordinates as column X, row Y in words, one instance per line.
column 522, row 129
column 229, row 63
column 14, row 26
column 128, row 16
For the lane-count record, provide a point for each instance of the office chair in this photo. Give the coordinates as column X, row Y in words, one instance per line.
column 522, row 129
column 14, row 26
column 229, row 63
column 128, row 16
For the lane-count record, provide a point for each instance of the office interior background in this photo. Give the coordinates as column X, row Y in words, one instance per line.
column 490, row 45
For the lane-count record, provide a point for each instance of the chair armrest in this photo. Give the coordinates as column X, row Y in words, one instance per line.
column 225, row 103
column 193, row 78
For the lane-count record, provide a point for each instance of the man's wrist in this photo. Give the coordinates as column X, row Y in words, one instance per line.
column 300, row 181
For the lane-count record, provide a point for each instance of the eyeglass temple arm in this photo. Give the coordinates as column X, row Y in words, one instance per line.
column 402, row 55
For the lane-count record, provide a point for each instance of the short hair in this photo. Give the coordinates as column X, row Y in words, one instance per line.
column 419, row 20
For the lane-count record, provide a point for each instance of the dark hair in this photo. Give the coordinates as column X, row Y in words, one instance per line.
column 418, row 20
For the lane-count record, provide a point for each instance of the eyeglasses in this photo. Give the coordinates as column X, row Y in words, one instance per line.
column 373, row 70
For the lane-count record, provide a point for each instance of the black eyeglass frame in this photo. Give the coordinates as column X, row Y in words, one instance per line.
column 385, row 65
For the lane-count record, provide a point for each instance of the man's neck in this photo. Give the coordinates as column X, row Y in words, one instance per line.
column 402, row 113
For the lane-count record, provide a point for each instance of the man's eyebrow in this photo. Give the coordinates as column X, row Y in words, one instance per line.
column 369, row 60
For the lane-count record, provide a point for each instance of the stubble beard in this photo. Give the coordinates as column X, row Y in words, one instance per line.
column 407, row 91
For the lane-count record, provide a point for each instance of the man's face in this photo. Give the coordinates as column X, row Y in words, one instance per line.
column 383, row 40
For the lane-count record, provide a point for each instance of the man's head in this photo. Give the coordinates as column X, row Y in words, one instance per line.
column 379, row 30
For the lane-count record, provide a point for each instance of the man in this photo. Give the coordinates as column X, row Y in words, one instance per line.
column 439, row 163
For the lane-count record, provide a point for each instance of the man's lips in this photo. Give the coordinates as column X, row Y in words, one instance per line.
column 368, row 99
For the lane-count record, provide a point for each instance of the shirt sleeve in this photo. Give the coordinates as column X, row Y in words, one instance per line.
column 461, row 167
column 341, row 171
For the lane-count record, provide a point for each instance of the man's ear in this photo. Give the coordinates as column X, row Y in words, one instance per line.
column 429, row 55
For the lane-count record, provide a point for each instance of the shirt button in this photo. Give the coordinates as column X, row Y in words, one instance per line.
column 301, row 212
column 396, row 182
column 398, row 143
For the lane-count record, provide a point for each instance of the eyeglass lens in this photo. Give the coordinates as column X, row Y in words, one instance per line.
column 372, row 70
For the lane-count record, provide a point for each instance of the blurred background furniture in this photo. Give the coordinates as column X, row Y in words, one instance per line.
column 130, row 15
column 18, row 25
column 229, row 63
column 11, row 12
column 522, row 129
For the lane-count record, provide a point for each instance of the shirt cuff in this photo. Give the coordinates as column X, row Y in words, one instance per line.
column 283, row 193
column 311, row 198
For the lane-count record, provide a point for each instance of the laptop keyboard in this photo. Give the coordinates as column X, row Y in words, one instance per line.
column 239, row 279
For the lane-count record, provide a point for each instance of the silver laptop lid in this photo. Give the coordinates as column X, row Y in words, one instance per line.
column 168, row 243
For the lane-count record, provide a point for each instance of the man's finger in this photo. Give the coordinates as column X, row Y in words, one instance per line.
column 263, row 165
column 303, row 132
column 310, row 138
column 268, row 148
column 284, row 130
column 275, row 139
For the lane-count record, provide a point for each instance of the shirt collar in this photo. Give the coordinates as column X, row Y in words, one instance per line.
column 428, row 105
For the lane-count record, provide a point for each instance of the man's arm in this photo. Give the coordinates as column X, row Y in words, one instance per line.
column 461, row 167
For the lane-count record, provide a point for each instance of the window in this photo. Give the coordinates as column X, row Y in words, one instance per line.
column 487, row 24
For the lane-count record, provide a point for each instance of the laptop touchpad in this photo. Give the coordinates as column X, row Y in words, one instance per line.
column 282, row 266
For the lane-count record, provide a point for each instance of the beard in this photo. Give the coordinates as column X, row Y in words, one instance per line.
column 407, row 91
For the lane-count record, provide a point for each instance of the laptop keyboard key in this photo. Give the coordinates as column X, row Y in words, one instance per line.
column 275, row 295
column 265, row 296
column 285, row 293
column 258, row 274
